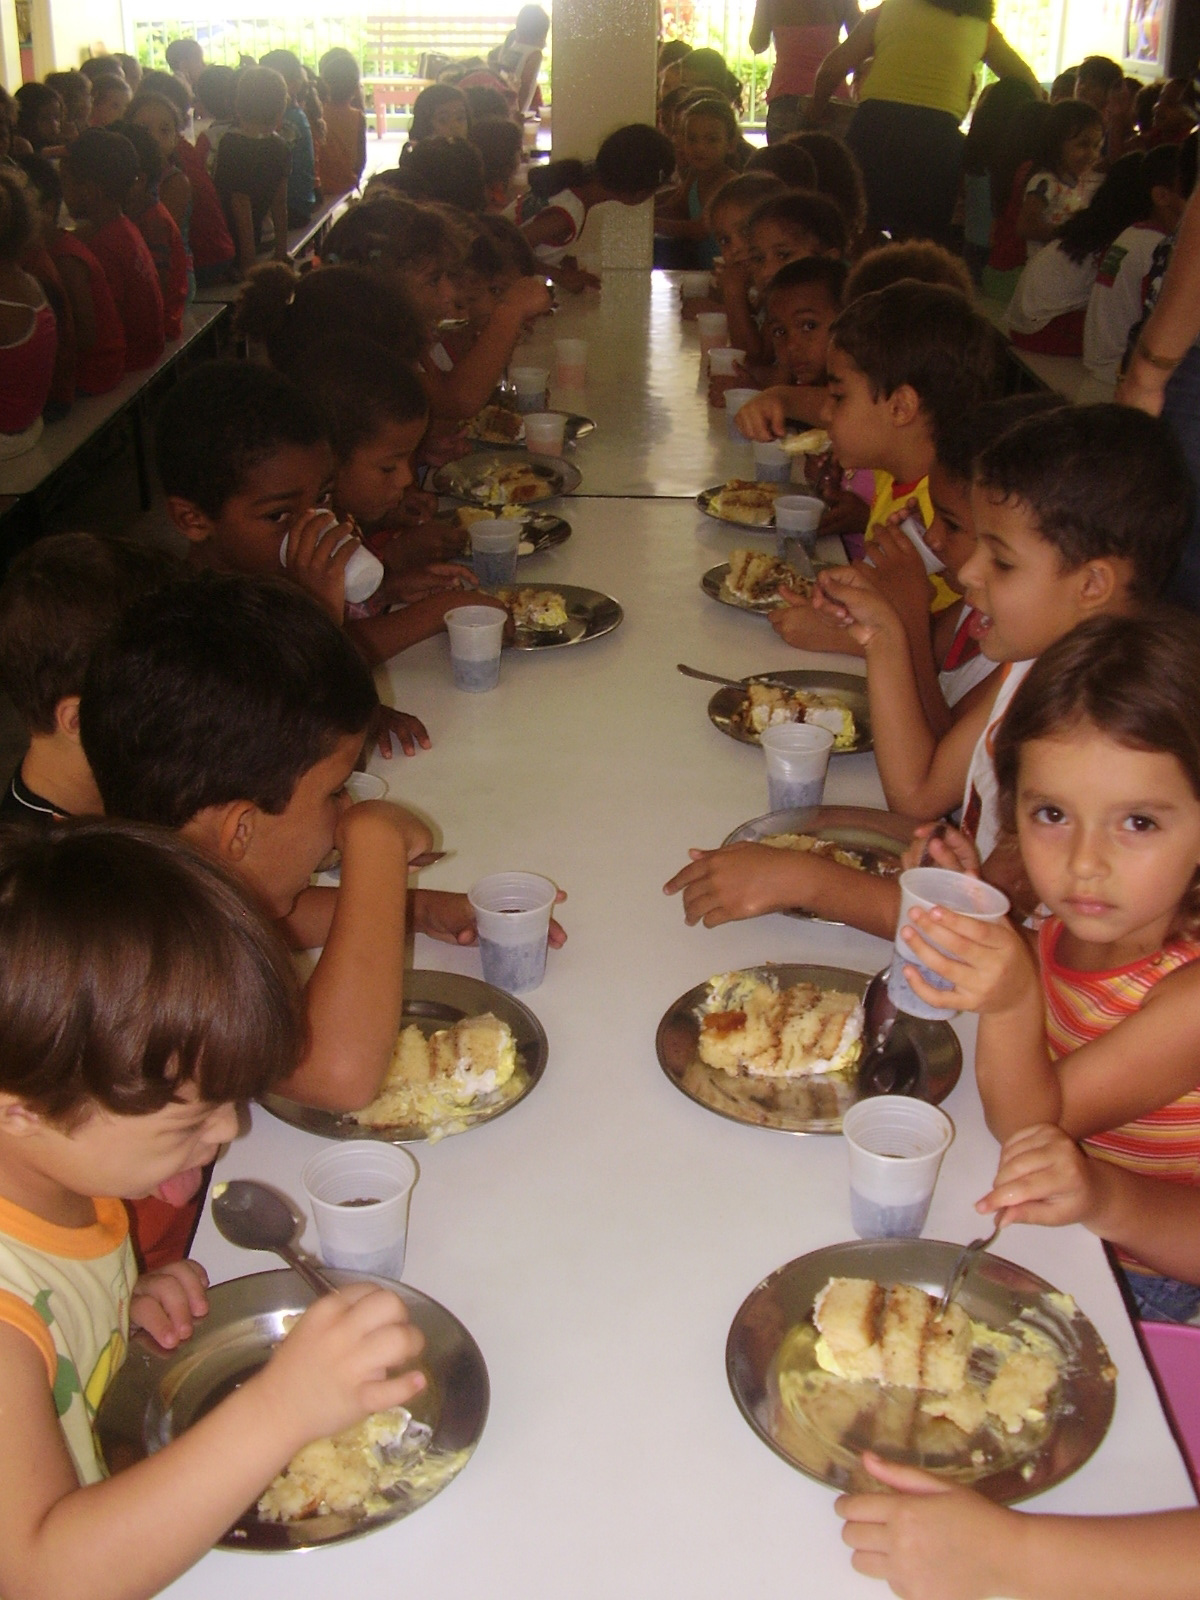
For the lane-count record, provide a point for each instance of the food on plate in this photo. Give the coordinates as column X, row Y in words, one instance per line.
column 516, row 484
column 893, row 1336
column 751, row 1027
column 439, row 1083
column 468, row 514
column 767, row 705
column 350, row 1472
column 541, row 610
column 860, row 860
column 755, row 578
column 814, row 442
column 496, row 425
column 745, row 500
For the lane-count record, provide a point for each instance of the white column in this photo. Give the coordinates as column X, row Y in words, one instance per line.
column 604, row 77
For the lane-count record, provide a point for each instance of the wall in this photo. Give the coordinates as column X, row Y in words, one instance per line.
column 65, row 31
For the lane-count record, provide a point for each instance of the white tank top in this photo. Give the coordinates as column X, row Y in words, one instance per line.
column 981, row 814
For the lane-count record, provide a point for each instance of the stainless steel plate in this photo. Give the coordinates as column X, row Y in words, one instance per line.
column 825, row 1434
column 436, row 1000
column 578, row 427
column 713, row 584
column 726, row 706
column 590, row 615
column 158, row 1394
column 540, row 530
column 804, row 1105
column 883, row 834
column 704, row 501
column 465, row 478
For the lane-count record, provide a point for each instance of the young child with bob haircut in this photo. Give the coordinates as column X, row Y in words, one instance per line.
column 252, row 165
column 57, row 601
column 141, row 1001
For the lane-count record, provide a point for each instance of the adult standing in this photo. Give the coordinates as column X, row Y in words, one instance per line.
column 804, row 32
column 924, row 55
column 1163, row 378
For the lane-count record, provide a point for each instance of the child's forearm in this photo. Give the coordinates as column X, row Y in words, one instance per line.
column 243, row 229
column 380, row 638
column 307, row 925
column 938, row 716
column 468, row 388
column 840, row 894
column 1018, row 1083
column 905, row 744
column 1151, row 1557
column 1156, row 1221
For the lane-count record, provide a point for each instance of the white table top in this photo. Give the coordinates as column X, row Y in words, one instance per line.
column 599, row 1238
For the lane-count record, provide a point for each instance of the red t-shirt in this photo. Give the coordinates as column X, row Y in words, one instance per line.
column 38, row 261
column 129, row 268
column 209, row 237
column 103, row 366
column 165, row 242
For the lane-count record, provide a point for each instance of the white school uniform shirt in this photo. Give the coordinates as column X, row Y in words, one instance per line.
column 1049, row 286
column 1117, row 297
column 981, row 809
column 1062, row 200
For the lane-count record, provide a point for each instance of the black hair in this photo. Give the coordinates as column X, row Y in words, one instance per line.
column 1160, row 167
column 1063, row 122
column 788, row 162
column 70, row 86
column 1063, row 87
column 966, row 437
column 670, row 51
column 339, row 73
column 285, row 62
column 992, row 122
column 804, row 211
column 485, row 104
column 636, row 159
column 919, row 259
column 747, row 189
column 150, row 161
column 387, row 230
column 216, row 88
column 32, row 100
column 1120, row 201
column 151, row 97
column 170, row 87
column 218, row 689
column 718, row 110
column 1099, row 480
column 18, row 219
column 43, row 179
column 105, row 158
column 499, row 246
column 220, row 421
column 1101, row 71
column 290, row 313
column 827, row 271
column 428, row 103
column 179, row 49
column 446, row 170
column 928, row 337
column 838, row 174
column 97, row 67
column 498, row 140
column 107, row 83
column 709, row 68
column 360, row 389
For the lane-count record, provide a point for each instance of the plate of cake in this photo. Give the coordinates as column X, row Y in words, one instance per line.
column 779, row 1046
column 499, row 426
column 333, row 1489
column 751, row 580
column 855, row 837
column 546, row 619
column 540, row 530
column 841, row 1351
column 833, row 700
column 499, row 478
column 744, row 502
column 467, row 1052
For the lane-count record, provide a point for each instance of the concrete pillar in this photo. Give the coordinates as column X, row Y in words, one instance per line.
column 605, row 54
column 10, row 49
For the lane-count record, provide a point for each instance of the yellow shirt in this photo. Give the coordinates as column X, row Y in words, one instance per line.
column 68, row 1289
column 890, row 497
column 925, row 56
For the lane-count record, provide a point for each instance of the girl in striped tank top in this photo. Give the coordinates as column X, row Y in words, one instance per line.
column 1098, row 1031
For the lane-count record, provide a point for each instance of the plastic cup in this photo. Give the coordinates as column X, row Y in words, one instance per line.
column 772, row 464
column 545, row 431
column 724, row 360
column 570, row 363
column 476, row 637
column 512, row 913
column 928, row 887
column 913, row 529
column 799, row 514
column 694, row 285
column 365, row 786
column 359, row 1193
column 735, row 399
column 895, row 1145
column 797, row 756
column 713, row 327
column 364, row 570
column 530, row 384
column 494, row 543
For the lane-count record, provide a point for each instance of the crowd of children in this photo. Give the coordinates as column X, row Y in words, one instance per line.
column 1033, row 704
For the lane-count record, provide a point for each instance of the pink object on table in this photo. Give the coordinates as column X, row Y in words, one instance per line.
column 1174, row 1354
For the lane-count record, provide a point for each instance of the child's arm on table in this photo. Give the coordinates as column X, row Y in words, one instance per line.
column 354, row 998
column 800, row 624
column 468, row 388
column 898, row 575
column 749, row 880
column 448, row 917
column 380, row 638
column 765, row 418
column 130, row 1535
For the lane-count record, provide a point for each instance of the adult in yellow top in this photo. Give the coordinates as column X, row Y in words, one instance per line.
column 923, row 56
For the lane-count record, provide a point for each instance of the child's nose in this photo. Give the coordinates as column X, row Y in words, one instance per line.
column 1087, row 852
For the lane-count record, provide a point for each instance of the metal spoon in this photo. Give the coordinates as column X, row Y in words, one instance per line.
column 731, row 683
column 965, row 1262
column 256, row 1218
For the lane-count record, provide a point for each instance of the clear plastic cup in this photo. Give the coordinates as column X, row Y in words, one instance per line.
column 531, row 385
column 494, row 546
column 772, row 464
column 913, row 529
column 512, row 913
column 713, row 327
column 364, row 570
column 570, row 363
column 895, row 1145
column 928, row 887
column 799, row 514
column 735, row 399
column 797, row 756
column 545, row 432
column 365, row 786
column 724, row 360
column 694, row 285
column 476, row 638
column 358, row 1193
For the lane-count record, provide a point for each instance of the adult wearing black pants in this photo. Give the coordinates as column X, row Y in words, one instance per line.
column 924, row 56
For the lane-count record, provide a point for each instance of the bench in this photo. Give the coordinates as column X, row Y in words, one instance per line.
column 26, row 480
column 1063, row 375
column 395, row 49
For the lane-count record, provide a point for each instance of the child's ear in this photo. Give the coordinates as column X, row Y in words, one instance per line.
column 192, row 523
column 904, row 406
column 17, row 1120
column 224, row 831
column 66, row 717
column 1098, row 585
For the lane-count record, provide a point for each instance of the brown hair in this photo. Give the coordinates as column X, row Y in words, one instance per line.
column 17, row 215
column 130, row 964
column 386, row 231
column 1133, row 679
column 261, row 96
column 918, row 259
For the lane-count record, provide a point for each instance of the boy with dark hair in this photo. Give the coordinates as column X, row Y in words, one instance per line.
column 97, row 173
column 110, row 99
column 252, row 165
column 799, row 222
column 185, row 58
column 803, row 302
column 141, row 999
column 297, row 134
column 58, row 599
column 1078, row 512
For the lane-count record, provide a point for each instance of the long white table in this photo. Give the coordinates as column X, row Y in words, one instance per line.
column 598, row 1239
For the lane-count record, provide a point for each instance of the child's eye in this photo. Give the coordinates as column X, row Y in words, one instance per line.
column 1050, row 814
column 1139, row 823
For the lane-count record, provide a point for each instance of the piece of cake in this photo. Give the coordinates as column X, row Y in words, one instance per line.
column 1018, row 1392
column 476, row 1056
column 893, row 1334
column 820, row 1032
column 755, row 577
column 542, row 610
column 848, row 1313
column 746, row 500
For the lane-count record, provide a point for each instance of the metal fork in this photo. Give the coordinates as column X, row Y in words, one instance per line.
column 964, row 1263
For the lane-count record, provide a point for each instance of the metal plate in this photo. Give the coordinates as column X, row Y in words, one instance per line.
column 435, row 1000
column 727, row 703
column 880, row 833
column 773, row 1331
column 462, row 479
column 590, row 615
column 542, row 531
column 805, row 1105
column 713, row 584
column 704, row 501
column 158, row 1394
column 577, row 427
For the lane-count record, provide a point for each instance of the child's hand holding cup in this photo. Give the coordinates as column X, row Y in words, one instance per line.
column 925, row 888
